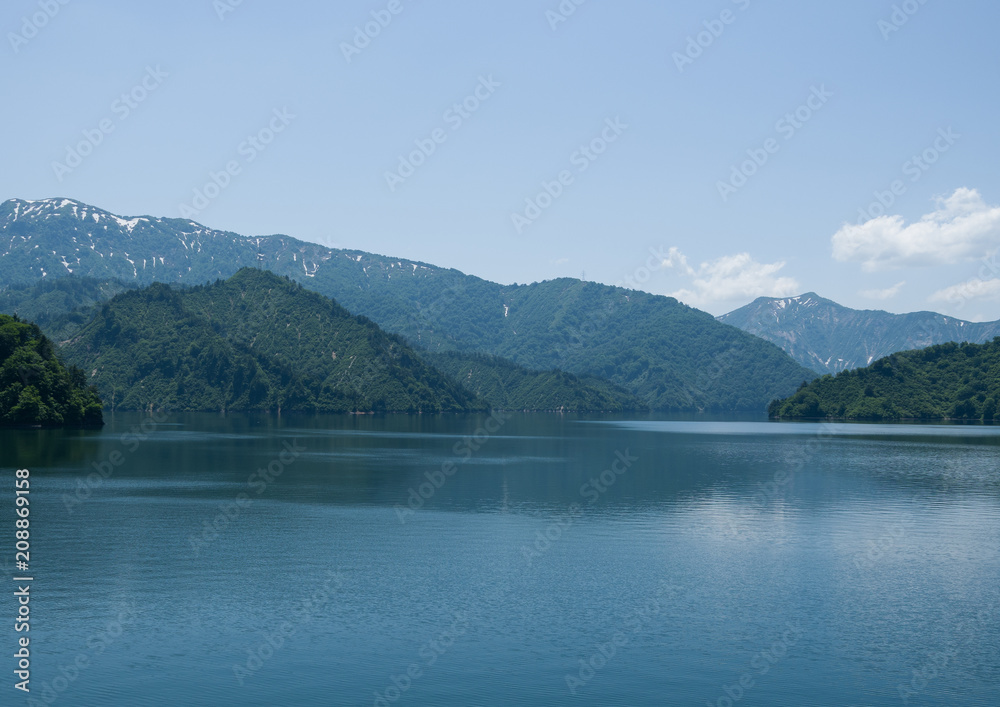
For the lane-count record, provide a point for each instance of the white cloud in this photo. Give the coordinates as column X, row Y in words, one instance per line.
column 734, row 278
column 676, row 259
column 970, row 290
column 887, row 293
column 962, row 228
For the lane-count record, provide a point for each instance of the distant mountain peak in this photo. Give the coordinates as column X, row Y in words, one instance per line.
column 829, row 337
column 806, row 299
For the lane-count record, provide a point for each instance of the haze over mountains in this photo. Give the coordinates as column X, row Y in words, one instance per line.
column 827, row 337
column 665, row 354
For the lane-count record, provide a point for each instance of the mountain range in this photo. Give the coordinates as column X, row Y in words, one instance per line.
column 658, row 351
column 828, row 338
column 258, row 341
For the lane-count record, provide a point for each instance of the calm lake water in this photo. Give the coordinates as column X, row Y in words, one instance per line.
column 538, row 560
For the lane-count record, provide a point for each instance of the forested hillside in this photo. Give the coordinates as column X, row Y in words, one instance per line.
column 254, row 342
column 949, row 381
column 60, row 306
column 507, row 386
column 35, row 387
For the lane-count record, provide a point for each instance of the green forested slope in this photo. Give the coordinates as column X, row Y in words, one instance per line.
column 507, row 386
column 64, row 305
column 255, row 341
column 949, row 381
column 60, row 306
column 670, row 356
column 35, row 387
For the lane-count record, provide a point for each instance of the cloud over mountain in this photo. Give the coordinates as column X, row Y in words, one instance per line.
column 731, row 278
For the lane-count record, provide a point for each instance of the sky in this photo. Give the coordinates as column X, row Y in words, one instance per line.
column 715, row 151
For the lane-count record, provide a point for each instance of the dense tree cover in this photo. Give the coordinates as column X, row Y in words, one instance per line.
column 60, row 306
column 507, row 386
column 827, row 337
column 35, row 387
column 256, row 341
column 669, row 356
column 949, row 381
column 66, row 304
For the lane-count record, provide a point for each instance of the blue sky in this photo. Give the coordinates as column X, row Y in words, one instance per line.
column 716, row 151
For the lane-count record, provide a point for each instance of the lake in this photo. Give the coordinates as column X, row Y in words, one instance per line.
column 508, row 560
